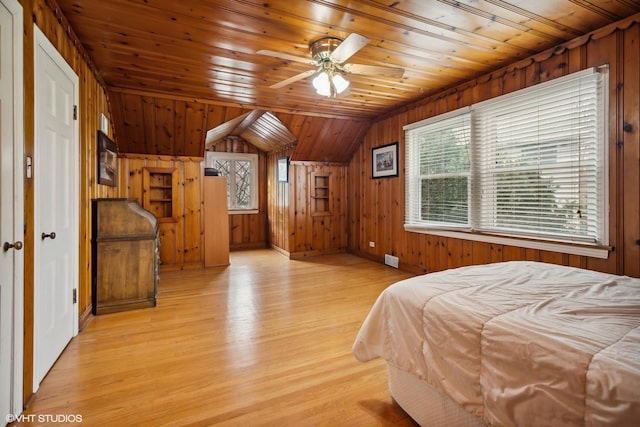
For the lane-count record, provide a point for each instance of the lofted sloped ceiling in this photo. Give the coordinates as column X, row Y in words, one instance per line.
column 260, row 128
column 173, row 126
column 199, row 59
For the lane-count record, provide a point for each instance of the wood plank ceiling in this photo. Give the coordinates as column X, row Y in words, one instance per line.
column 177, row 69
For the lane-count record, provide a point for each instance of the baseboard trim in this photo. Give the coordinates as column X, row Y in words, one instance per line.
column 175, row 267
column 246, row 246
column 85, row 317
column 280, row 250
column 305, row 254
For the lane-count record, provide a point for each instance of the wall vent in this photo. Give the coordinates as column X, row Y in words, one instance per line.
column 391, row 260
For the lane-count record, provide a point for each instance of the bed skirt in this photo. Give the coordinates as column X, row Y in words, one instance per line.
column 426, row 405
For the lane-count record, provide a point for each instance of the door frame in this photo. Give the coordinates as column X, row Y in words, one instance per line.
column 42, row 42
column 15, row 9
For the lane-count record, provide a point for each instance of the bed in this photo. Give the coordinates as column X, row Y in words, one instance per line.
column 514, row 343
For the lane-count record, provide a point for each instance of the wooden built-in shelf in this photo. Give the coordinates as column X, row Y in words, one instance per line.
column 158, row 192
column 320, row 200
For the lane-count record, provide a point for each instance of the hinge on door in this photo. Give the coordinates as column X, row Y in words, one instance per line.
column 75, row 295
column 75, row 112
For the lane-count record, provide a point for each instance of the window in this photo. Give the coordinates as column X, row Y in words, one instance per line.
column 241, row 171
column 439, row 171
column 528, row 164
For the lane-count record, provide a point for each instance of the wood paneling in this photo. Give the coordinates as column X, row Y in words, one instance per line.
column 208, row 50
column 153, row 125
column 260, row 128
column 628, row 159
column 376, row 207
column 175, row 126
column 189, row 60
column 181, row 243
column 278, row 207
column 324, row 139
column 294, row 225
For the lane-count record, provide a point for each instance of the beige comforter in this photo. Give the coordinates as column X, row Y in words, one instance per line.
column 516, row 343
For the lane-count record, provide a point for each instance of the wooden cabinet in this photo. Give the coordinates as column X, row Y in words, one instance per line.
column 124, row 256
column 216, row 221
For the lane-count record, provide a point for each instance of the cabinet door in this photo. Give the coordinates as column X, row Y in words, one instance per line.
column 126, row 275
column 124, row 256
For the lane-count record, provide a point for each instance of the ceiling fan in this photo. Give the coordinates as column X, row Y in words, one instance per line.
column 328, row 55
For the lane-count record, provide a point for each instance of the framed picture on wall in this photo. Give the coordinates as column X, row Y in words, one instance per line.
column 283, row 169
column 107, row 160
column 104, row 123
column 384, row 161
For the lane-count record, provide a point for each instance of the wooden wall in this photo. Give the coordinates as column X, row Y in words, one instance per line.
column 376, row 207
column 181, row 244
column 148, row 124
column 181, row 240
column 294, row 227
column 278, row 202
column 174, row 125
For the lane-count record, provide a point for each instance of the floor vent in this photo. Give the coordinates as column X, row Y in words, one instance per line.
column 391, row 260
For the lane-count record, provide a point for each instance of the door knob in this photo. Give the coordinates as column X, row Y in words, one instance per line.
column 51, row 235
column 17, row 246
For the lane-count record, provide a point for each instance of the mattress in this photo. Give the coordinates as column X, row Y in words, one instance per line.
column 516, row 343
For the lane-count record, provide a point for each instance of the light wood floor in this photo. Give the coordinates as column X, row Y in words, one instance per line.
column 263, row 342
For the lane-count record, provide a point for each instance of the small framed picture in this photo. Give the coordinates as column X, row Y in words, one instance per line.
column 384, row 161
column 283, row 169
column 104, row 123
column 107, row 160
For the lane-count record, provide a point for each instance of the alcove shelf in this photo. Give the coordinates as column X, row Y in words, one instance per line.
column 320, row 200
column 159, row 194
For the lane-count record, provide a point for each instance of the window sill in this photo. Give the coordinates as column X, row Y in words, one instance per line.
column 244, row 212
column 593, row 251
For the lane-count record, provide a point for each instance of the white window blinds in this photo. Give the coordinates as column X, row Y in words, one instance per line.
column 439, row 175
column 539, row 161
column 537, row 166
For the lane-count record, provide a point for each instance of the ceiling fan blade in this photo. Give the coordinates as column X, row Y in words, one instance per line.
column 293, row 79
column 376, row 70
column 281, row 55
column 349, row 46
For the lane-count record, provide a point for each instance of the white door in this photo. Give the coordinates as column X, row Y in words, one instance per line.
column 11, row 208
column 56, row 170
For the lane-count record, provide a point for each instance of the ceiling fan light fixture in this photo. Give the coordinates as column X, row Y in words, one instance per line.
column 330, row 83
column 340, row 83
column 329, row 54
column 322, row 84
